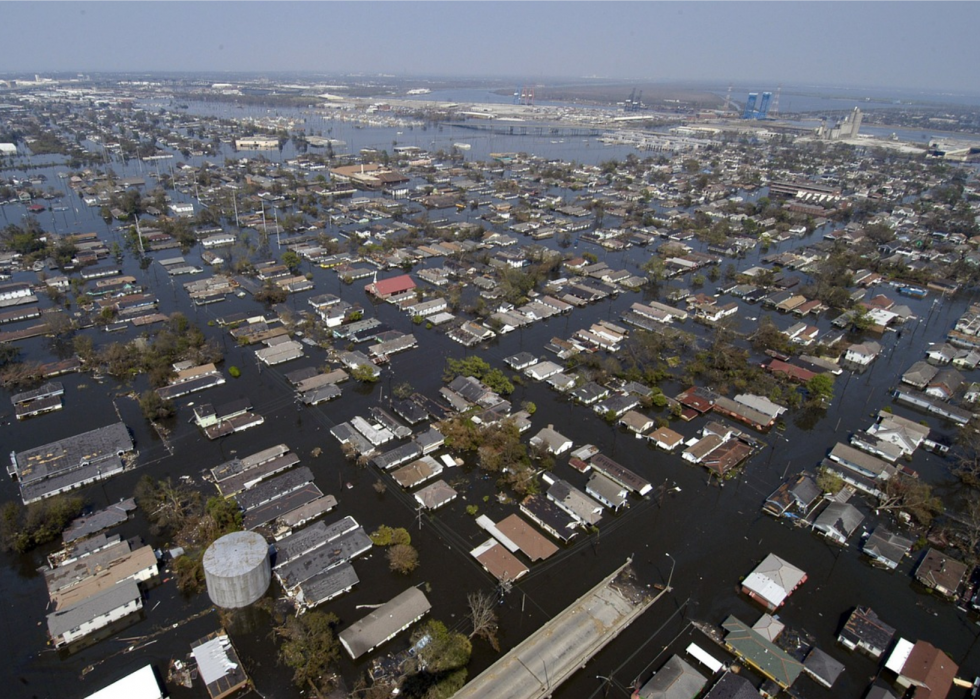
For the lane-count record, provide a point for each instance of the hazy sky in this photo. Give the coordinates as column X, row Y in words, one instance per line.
column 888, row 44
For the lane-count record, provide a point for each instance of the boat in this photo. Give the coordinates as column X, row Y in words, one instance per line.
column 462, row 146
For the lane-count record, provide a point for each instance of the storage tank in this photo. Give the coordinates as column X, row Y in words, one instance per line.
column 237, row 569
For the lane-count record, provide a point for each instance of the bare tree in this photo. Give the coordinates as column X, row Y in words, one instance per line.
column 483, row 614
column 911, row 495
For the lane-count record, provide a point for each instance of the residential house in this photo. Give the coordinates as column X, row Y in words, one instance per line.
column 923, row 666
column 665, row 438
column 636, row 422
column 773, row 581
column 886, row 548
column 551, row 440
column 920, row 374
column 675, row 680
column 760, row 654
column 941, row 573
column 862, row 353
column 945, row 384
column 864, row 631
column 794, row 498
column 822, row 668
column 838, row 521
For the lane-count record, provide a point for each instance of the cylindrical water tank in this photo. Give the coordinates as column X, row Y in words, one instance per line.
column 237, row 569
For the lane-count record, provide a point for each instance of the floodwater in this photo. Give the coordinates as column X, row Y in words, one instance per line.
column 702, row 537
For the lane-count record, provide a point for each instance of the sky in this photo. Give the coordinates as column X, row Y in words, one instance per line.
column 917, row 45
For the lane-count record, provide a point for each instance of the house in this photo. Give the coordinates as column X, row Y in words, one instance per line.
column 607, row 491
column 838, row 521
column 551, row 440
column 822, row 668
column 636, row 422
column 386, row 288
column 665, row 438
column 732, row 686
column 920, row 374
column 923, row 666
column 939, row 572
column 941, row 354
column 773, row 581
column 794, row 498
column 945, row 384
column 760, row 654
column 862, row 353
column 675, row 680
column 886, row 548
column 573, row 501
column 864, row 631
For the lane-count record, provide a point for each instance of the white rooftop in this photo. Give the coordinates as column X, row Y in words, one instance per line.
column 141, row 684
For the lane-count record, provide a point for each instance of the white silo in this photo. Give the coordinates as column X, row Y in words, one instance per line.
column 237, row 569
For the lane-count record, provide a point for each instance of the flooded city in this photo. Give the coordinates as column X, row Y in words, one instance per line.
column 498, row 364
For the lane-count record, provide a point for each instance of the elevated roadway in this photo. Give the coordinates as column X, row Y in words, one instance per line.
column 539, row 664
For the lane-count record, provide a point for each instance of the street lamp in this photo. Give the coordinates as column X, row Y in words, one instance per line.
column 671, row 575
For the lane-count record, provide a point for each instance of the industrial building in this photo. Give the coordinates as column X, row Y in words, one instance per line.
column 237, row 569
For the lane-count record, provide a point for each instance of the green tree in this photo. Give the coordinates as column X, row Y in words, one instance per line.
column 821, row 388
column 291, row 260
column 310, row 649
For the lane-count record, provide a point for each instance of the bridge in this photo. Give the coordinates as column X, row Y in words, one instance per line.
column 552, row 654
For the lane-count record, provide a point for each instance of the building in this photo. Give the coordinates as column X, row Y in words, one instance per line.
column 773, row 581
column 760, row 654
column 939, row 572
column 864, row 631
column 384, row 622
column 923, row 666
column 675, row 680
column 886, row 548
column 70, row 463
column 838, row 521
column 386, row 288
column 218, row 665
column 94, row 613
column 822, row 668
column 142, row 684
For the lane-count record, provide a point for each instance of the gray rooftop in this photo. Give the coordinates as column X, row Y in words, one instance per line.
column 71, row 453
column 384, row 622
column 97, row 605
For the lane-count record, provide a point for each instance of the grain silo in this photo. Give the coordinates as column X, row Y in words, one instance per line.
column 237, row 569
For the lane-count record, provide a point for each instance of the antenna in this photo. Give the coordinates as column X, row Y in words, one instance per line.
column 139, row 235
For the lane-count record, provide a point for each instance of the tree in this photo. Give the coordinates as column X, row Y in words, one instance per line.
column 911, row 495
column 441, row 660
column 156, row 408
column 483, row 616
column 166, row 504
column 291, row 260
column 821, row 388
column 365, row 373
column 403, row 558
column 24, row 528
column 829, row 482
column 310, row 648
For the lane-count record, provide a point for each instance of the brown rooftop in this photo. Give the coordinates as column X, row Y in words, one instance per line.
column 534, row 545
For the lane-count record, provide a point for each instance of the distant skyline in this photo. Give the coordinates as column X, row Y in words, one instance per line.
column 911, row 45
